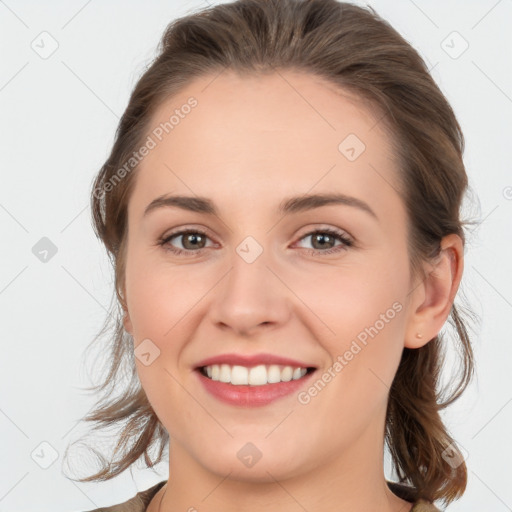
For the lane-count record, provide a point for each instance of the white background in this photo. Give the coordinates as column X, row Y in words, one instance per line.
column 57, row 122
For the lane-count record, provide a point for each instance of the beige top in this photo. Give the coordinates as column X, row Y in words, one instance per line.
column 140, row 501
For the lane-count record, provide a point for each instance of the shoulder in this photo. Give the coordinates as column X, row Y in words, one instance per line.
column 138, row 503
column 409, row 493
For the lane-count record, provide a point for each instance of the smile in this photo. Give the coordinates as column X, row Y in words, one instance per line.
column 252, row 381
column 260, row 375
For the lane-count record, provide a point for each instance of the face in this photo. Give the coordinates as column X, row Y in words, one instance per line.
column 249, row 280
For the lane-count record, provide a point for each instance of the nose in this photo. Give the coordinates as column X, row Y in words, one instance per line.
column 251, row 297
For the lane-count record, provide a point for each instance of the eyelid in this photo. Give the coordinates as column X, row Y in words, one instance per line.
column 185, row 229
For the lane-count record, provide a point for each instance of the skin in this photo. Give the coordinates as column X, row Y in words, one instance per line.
column 250, row 143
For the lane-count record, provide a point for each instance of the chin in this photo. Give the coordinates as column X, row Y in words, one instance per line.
column 256, row 462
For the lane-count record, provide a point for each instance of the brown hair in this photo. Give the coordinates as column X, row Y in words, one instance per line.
column 356, row 50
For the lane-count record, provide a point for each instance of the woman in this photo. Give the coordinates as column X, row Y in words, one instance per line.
column 281, row 205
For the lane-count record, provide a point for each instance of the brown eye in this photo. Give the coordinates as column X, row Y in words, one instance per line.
column 191, row 241
column 324, row 241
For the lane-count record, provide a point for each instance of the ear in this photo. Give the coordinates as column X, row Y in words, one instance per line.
column 127, row 323
column 433, row 297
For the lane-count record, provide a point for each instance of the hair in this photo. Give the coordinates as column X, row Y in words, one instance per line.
column 357, row 51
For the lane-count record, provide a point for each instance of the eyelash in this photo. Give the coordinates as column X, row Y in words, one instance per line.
column 346, row 242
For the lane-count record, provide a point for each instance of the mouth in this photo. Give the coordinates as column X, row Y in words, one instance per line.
column 259, row 375
column 250, row 381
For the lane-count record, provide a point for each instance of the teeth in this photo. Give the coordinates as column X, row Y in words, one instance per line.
column 258, row 375
column 225, row 373
column 254, row 376
column 274, row 374
column 287, row 374
column 239, row 375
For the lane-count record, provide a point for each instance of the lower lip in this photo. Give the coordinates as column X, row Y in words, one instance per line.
column 251, row 396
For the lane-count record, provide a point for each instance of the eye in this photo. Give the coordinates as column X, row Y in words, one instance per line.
column 325, row 240
column 192, row 241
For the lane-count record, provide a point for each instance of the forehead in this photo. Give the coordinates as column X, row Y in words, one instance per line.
column 265, row 137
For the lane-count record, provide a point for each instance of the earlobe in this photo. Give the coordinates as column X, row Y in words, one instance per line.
column 433, row 299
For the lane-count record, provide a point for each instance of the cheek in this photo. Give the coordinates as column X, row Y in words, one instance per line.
column 348, row 299
column 364, row 312
column 160, row 298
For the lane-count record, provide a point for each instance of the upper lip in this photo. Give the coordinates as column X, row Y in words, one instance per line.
column 252, row 360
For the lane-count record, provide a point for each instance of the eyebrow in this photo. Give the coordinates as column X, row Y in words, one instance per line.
column 289, row 205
